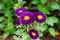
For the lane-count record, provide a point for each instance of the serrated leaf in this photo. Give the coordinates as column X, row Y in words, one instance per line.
column 43, row 1
column 52, row 31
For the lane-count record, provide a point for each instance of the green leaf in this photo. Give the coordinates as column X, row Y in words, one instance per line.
column 2, row 25
column 43, row 9
column 16, row 38
column 5, row 35
column 51, row 20
column 52, row 31
column 13, row 31
column 1, row 6
column 24, row 36
column 21, row 2
column 37, row 27
column 34, row 2
column 54, row 6
column 19, row 32
column 43, row 1
column 55, row 19
column 16, row 6
column 6, row 1
column 9, row 27
column 28, row 38
column 7, row 13
column 41, row 34
column 43, row 27
column 1, row 19
column 58, row 25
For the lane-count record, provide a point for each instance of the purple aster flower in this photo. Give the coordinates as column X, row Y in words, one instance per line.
column 26, row 18
column 19, row 11
column 33, row 34
column 39, row 17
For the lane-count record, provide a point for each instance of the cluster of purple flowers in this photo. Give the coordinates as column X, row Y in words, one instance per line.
column 27, row 18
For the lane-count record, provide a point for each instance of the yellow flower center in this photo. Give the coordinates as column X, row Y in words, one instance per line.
column 40, row 17
column 26, row 18
column 20, row 11
column 33, row 34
